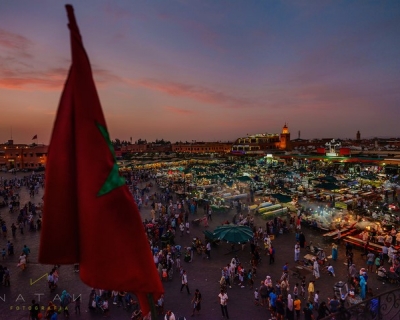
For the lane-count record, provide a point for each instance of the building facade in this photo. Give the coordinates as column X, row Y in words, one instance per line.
column 202, row 147
column 22, row 156
column 262, row 143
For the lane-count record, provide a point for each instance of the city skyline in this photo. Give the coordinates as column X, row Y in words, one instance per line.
column 206, row 70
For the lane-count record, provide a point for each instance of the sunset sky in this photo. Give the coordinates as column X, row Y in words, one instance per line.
column 207, row 70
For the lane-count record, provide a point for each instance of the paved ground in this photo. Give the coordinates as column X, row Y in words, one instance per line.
column 202, row 274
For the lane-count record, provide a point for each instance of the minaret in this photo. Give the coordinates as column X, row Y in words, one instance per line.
column 285, row 138
column 358, row 136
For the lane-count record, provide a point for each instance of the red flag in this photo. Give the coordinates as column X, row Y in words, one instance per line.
column 89, row 215
column 34, row 137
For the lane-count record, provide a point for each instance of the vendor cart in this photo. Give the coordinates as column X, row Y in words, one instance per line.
column 341, row 290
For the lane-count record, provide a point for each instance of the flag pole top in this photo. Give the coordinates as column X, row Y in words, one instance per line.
column 71, row 15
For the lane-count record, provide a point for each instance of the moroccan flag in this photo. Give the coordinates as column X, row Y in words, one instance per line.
column 89, row 214
column 34, row 137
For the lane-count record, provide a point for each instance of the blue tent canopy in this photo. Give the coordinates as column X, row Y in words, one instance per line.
column 281, row 197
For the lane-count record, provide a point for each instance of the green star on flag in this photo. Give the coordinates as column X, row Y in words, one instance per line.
column 114, row 180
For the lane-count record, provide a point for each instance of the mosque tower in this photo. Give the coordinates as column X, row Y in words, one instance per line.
column 358, row 135
column 285, row 138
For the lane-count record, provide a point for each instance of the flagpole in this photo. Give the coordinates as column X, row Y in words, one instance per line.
column 152, row 306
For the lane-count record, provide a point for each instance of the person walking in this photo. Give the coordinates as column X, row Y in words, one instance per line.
column 363, row 284
column 339, row 236
column 377, row 263
column 182, row 228
column 308, row 314
column 26, row 251
column 316, row 269
column 295, row 291
column 334, row 252
column 263, row 291
column 297, row 252
column 349, row 257
column 311, row 290
column 228, row 273
column 66, row 299
column 34, row 311
column 22, row 261
column 205, row 221
column 10, row 248
column 333, row 304
column 289, row 308
column 352, row 273
column 121, row 299
column 223, row 301
column 105, row 307
column 316, row 300
column 392, row 254
column 196, row 302
column 208, row 250
column 271, row 255
column 303, row 287
column 297, row 307
column 169, row 315
column 78, row 305
column 370, row 261
column 185, row 282
column 323, row 310
column 280, row 308
column 272, row 299
column 13, row 230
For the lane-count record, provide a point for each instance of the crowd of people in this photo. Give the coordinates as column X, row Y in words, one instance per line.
column 169, row 219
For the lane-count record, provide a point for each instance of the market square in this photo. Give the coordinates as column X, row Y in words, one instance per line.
column 203, row 274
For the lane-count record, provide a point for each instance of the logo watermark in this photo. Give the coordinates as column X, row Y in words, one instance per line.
column 20, row 302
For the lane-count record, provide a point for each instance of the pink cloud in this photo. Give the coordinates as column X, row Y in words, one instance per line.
column 198, row 93
column 51, row 79
column 178, row 110
column 17, row 73
column 14, row 42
